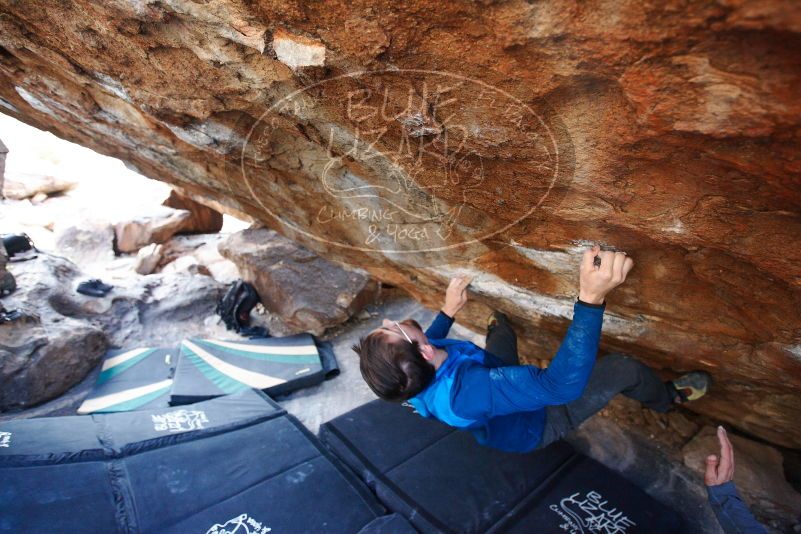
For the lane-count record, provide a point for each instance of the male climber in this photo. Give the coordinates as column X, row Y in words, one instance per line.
column 503, row 404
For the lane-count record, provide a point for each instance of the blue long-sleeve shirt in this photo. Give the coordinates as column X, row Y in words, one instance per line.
column 504, row 406
column 732, row 513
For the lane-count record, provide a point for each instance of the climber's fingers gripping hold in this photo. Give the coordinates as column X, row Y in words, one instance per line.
column 456, row 294
column 598, row 278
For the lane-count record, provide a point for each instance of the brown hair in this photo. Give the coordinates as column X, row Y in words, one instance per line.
column 394, row 371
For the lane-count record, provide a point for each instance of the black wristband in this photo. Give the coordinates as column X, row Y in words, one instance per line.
column 601, row 305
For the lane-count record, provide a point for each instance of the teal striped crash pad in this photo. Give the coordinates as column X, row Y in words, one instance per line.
column 210, row 368
column 132, row 379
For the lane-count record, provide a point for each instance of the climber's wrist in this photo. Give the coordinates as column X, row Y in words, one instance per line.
column 450, row 311
column 588, row 297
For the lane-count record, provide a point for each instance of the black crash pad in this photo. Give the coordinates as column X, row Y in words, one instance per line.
column 443, row 481
column 237, row 463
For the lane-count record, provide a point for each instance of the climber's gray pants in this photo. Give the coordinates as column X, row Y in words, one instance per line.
column 612, row 374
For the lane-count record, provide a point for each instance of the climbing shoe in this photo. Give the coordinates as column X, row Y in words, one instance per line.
column 692, row 386
column 492, row 320
column 495, row 318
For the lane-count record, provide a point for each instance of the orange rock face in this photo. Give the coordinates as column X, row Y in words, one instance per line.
column 493, row 138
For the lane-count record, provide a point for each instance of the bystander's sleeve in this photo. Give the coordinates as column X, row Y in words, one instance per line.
column 440, row 327
column 732, row 513
column 481, row 392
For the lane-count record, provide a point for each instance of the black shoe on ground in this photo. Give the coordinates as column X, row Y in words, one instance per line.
column 8, row 316
column 94, row 288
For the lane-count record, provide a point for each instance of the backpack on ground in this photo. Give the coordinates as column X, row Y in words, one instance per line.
column 235, row 306
column 19, row 247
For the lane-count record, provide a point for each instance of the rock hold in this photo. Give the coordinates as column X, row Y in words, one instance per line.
column 297, row 51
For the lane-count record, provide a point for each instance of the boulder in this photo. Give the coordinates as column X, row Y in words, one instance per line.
column 162, row 309
column 307, row 292
column 520, row 131
column 202, row 220
column 64, row 334
column 19, row 186
column 40, row 361
column 46, row 352
column 187, row 245
column 148, row 258
column 758, row 472
column 221, row 268
column 186, row 264
column 197, row 254
column 156, row 227
column 89, row 244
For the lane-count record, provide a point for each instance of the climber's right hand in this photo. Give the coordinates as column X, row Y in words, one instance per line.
column 597, row 280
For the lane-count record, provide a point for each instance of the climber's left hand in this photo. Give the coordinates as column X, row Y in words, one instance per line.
column 456, row 294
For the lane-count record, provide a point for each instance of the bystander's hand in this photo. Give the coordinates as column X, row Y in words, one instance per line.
column 596, row 280
column 720, row 470
column 456, row 294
